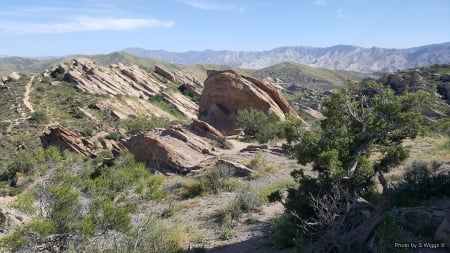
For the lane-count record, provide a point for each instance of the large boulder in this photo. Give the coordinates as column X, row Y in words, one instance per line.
column 226, row 92
column 174, row 149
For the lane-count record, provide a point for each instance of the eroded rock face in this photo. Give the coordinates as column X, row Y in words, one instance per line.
column 226, row 92
column 66, row 139
column 204, row 129
column 174, row 149
column 130, row 80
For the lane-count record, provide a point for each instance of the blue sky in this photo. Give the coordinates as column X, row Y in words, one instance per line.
column 55, row 28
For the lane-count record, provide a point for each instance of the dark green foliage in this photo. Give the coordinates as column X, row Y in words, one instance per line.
column 259, row 125
column 360, row 119
column 419, row 185
column 114, row 136
column 69, row 181
column 285, row 231
column 38, row 117
column 137, row 125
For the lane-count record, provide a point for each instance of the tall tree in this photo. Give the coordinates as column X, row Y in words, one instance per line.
column 360, row 137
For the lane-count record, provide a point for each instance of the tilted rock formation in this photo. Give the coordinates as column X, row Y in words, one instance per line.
column 226, row 92
column 121, row 79
column 174, row 149
column 165, row 73
column 192, row 86
column 118, row 79
column 66, row 139
column 205, row 130
column 124, row 107
column 182, row 103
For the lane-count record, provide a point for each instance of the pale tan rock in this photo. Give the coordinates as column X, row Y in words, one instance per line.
column 174, row 149
column 13, row 76
column 204, row 129
column 226, row 92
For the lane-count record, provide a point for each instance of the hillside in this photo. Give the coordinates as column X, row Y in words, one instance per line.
column 139, row 170
column 344, row 57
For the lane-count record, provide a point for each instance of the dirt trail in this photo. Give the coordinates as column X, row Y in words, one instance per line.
column 26, row 101
column 26, row 96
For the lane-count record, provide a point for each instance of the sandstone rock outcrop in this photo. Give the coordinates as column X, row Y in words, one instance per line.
column 205, row 130
column 165, row 73
column 129, row 80
column 118, row 79
column 66, row 139
column 226, row 92
column 12, row 77
column 174, row 149
column 238, row 169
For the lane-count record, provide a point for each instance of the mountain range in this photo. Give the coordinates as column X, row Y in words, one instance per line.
column 343, row 57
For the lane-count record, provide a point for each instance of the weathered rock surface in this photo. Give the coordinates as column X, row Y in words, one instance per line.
column 165, row 73
column 174, row 149
column 66, row 139
column 182, row 103
column 118, row 79
column 13, row 76
column 238, row 169
column 121, row 79
column 205, row 130
column 226, row 92
column 124, row 107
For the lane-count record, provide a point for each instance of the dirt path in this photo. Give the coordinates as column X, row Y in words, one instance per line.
column 26, row 101
column 26, row 96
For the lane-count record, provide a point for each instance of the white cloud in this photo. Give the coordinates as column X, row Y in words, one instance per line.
column 82, row 24
column 211, row 5
column 320, row 2
column 339, row 13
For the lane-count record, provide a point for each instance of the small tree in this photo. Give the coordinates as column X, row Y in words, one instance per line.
column 361, row 120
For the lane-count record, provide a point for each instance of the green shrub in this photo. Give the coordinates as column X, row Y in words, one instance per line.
column 87, row 132
column 419, row 185
column 114, row 136
column 213, row 181
column 389, row 232
column 285, row 231
column 257, row 124
column 159, row 237
column 24, row 202
column 224, row 144
column 246, row 201
column 272, row 192
column 38, row 117
column 137, row 125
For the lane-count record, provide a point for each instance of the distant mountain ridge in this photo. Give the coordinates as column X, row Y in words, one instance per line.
column 344, row 57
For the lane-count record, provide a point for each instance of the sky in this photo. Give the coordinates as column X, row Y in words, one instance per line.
column 34, row 28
